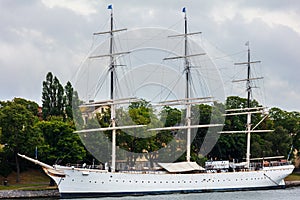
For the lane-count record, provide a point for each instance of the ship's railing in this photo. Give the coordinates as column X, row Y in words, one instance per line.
column 276, row 163
column 143, row 171
column 85, row 166
column 261, row 165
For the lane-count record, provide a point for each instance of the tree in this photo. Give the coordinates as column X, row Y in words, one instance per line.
column 287, row 127
column 234, row 146
column 52, row 97
column 18, row 133
column 58, row 100
column 46, row 95
column 68, row 100
column 61, row 144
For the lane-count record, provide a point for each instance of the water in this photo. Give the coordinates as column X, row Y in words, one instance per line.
column 286, row 194
column 292, row 193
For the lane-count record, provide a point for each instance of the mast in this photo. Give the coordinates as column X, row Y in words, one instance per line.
column 112, row 108
column 248, row 78
column 249, row 93
column 249, row 90
column 187, row 76
column 187, row 95
column 112, row 66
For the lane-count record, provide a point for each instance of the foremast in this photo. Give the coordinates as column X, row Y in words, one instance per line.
column 112, row 65
column 187, row 95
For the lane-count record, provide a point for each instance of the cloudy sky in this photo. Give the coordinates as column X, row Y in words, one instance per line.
column 38, row 36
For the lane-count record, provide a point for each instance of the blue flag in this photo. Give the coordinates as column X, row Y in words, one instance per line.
column 109, row 7
column 183, row 9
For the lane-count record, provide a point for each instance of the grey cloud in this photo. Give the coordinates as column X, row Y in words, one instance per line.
column 25, row 59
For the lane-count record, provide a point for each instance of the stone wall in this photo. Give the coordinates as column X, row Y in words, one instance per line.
column 5, row 194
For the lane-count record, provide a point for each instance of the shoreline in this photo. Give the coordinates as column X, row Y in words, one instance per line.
column 53, row 193
column 13, row 194
column 292, row 183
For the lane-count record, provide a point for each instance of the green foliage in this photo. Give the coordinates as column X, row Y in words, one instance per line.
column 171, row 116
column 262, row 144
column 17, row 124
column 61, row 144
column 68, row 100
column 140, row 112
column 5, row 167
column 22, row 131
column 57, row 100
column 18, row 133
column 287, row 127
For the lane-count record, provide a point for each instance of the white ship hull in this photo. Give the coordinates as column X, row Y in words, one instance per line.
column 78, row 182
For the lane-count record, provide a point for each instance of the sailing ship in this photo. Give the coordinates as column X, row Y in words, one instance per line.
column 178, row 177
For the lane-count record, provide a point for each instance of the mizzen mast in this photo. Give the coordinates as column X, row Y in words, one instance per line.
column 249, row 94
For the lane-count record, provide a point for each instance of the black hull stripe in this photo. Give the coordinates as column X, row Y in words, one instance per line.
column 121, row 194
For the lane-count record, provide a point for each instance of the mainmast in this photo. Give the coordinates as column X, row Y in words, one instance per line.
column 112, row 108
column 187, row 75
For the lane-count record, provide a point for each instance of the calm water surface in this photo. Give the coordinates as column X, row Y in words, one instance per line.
column 292, row 193
column 286, row 194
